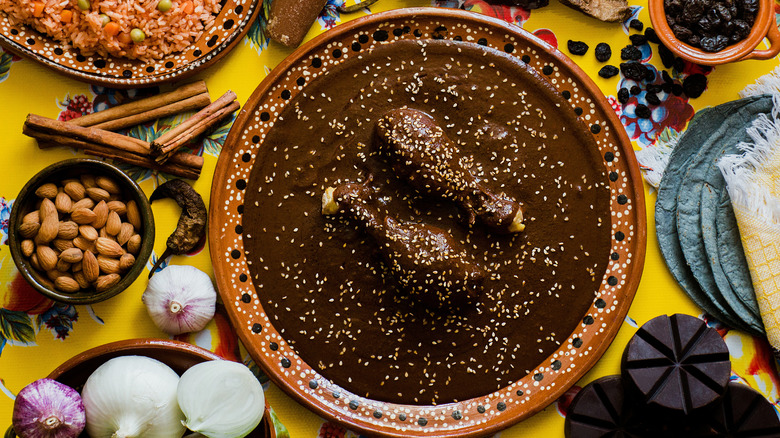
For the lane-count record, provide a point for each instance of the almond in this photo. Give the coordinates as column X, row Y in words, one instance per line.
column 134, row 244
column 118, row 206
column 88, row 232
column 47, row 257
column 81, row 280
column 63, row 203
column 126, row 262
column 35, row 263
column 28, row 247
column 62, row 244
column 108, row 185
column 32, row 217
column 105, row 282
column 113, row 224
column 75, row 190
column 29, row 229
column 72, row 255
column 108, row 247
column 90, row 267
column 67, row 230
column 82, row 243
column 88, row 181
column 62, row 266
column 125, row 233
column 49, row 229
column 53, row 274
column 76, row 267
column 83, row 216
column 48, row 190
column 84, row 203
column 101, row 214
column 66, row 284
column 133, row 215
column 48, row 209
column 97, row 194
column 108, row 265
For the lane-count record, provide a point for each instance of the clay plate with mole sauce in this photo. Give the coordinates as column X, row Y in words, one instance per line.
column 311, row 296
column 230, row 25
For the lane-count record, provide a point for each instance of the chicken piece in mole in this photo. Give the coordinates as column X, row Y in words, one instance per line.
column 425, row 260
column 421, row 152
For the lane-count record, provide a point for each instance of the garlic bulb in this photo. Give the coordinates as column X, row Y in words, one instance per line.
column 47, row 408
column 221, row 399
column 132, row 396
column 180, row 299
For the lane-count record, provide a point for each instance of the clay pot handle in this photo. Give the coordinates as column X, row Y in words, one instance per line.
column 774, row 45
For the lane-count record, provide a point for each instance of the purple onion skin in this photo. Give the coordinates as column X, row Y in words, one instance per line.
column 48, row 409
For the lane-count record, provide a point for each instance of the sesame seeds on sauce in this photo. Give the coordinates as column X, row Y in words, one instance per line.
column 322, row 280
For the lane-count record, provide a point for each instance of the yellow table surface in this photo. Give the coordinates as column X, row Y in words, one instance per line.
column 36, row 335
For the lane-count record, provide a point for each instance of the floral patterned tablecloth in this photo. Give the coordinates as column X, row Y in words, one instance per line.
column 37, row 334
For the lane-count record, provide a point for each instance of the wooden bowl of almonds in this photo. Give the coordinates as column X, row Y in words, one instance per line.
column 81, row 231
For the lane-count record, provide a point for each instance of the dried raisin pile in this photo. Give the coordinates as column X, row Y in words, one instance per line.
column 711, row 25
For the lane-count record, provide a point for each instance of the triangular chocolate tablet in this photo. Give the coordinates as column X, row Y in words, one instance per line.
column 743, row 413
column 693, row 372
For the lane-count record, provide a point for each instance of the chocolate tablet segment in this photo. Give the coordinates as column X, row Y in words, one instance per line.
column 677, row 363
column 599, row 410
column 743, row 412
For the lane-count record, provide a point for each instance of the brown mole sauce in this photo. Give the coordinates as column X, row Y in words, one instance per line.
column 323, row 282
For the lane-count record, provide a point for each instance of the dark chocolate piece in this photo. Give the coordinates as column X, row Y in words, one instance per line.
column 290, row 20
column 600, row 410
column 677, row 363
column 425, row 259
column 421, row 152
column 743, row 412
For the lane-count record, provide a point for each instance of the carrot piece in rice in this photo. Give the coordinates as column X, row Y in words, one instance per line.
column 111, row 28
column 66, row 15
column 38, row 9
column 188, row 7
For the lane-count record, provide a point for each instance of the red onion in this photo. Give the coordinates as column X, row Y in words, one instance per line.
column 48, row 409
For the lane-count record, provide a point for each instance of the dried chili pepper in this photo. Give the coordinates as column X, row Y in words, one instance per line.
column 192, row 222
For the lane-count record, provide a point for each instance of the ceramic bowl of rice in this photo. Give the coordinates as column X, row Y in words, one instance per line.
column 125, row 43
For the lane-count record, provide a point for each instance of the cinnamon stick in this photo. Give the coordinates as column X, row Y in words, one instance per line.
column 185, row 98
column 107, row 144
column 200, row 122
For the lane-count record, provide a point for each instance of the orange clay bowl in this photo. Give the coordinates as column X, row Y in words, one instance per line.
column 494, row 410
column 177, row 355
column 233, row 21
column 765, row 26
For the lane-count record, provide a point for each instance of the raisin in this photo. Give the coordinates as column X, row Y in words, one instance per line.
column 623, row 95
column 677, row 89
column 649, row 74
column 694, row 40
column 665, row 76
column 642, row 111
column 652, row 98
column 652, row 36
column 679, row 64
column 577, row 47
column 531, row 4
column 653, row 88
column 667, row 87
column 630, row 53
column 635, row 90
column 694, row 85
column 667, row 57
column 603, row 52
column 638, row 40
column 633, row 70
column 636, row 24
column 608, row 71
column 682, row 33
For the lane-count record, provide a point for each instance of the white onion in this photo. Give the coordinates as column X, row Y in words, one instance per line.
column 132, row 396
column 221, row 399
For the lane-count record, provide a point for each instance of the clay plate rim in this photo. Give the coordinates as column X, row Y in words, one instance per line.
column 293, row 382
column 140, row 76
column 175, row 354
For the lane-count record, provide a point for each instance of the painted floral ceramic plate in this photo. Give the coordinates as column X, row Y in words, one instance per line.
column 230, row 25
column 311, row 296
